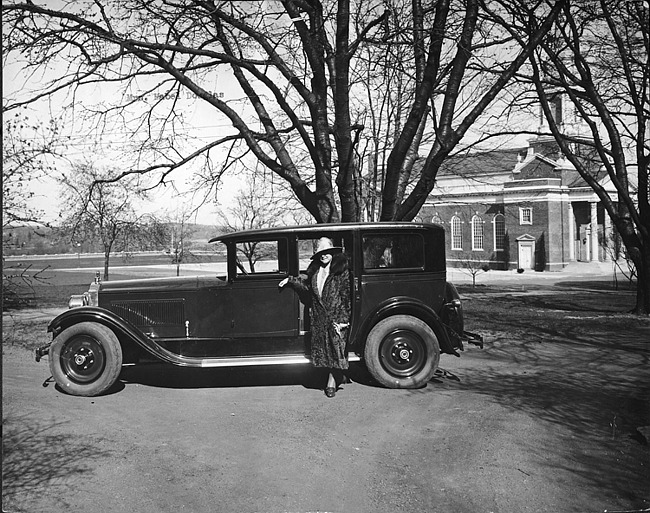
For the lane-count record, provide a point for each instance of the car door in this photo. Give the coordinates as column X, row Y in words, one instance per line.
column 265, row 320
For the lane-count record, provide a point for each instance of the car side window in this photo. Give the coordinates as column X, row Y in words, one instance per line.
column 262, row 257
column 393, row 251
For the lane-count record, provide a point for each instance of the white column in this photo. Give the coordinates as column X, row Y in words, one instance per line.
column 594, row 231
column 572, row 234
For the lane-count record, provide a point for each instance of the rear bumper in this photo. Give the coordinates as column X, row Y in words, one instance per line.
column 473, row 338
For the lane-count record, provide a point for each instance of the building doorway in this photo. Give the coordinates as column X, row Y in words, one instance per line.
column 526, row 252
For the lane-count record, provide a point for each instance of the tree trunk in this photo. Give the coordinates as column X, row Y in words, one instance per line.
column 643, row 289
column 404, row 142
column 409, row 160
column 642, row 264
column 347, row 173
column 326, row 211
column 107, row 256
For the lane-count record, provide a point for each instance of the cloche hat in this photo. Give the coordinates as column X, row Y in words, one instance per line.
column 325, row 245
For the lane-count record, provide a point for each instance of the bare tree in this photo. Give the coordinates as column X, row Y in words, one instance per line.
column 614, row 248
column 596, row 57
column 18, row 285
column 295, row 67
column 254, row 210
column 98, row 210
column 26, row 147
column 470, row 263
column 180, row 230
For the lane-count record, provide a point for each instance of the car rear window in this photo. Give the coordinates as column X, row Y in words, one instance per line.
column 393, row 251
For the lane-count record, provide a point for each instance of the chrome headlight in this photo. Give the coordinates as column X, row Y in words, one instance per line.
column 78, row 300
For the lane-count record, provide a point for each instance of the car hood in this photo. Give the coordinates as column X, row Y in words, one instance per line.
column 159, row 284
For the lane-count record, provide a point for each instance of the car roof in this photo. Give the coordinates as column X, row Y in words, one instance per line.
column 307, row 229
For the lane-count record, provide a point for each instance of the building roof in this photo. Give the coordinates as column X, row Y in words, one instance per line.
column 501, row 160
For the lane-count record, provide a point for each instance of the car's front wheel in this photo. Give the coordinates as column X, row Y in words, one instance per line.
column 85, row 359
column 402, row 351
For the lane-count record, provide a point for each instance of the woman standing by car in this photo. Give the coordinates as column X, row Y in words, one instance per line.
column 327, row 291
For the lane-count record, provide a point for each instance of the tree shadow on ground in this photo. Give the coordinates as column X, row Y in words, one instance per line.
column 598, row 401
column 576, row 366
column 570, row 296
column 536, row 317
column 38, row 458
column 597, row 286
column 583, row 300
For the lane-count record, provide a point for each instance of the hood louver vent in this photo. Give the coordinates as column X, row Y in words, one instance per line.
column 166, row 312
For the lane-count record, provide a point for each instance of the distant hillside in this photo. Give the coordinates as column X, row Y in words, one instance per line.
column 38, row 239
column 26, row 237
column 204, row 232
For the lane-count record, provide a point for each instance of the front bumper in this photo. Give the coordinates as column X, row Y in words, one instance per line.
column 40, row 352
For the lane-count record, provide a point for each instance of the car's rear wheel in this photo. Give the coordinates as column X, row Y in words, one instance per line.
column 402, row 351
column 85, row 359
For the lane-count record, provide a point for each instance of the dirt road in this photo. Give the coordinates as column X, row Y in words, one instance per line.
column 545, row 418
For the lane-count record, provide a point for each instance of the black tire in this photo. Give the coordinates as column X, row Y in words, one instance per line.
column 85, row 359
column 402, row 351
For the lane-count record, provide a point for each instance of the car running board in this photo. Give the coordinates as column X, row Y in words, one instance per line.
column 263, row 360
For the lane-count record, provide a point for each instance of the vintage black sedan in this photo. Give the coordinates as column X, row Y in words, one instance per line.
column 404, row 312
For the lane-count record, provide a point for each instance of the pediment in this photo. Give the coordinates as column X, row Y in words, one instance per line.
column 526, row 237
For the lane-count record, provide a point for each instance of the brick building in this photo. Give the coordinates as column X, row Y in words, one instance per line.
column 518, row 208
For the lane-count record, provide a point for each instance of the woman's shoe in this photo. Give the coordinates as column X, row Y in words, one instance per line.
column 330, row 391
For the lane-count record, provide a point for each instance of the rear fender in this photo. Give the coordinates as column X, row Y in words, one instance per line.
column 453, row 318
column 407, row 306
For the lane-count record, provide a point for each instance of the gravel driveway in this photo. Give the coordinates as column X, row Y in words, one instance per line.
column 543, row 419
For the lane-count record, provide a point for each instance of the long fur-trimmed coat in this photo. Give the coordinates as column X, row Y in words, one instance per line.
column 328, row 348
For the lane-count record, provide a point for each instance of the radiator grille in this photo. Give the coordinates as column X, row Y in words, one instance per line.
column 162, row 312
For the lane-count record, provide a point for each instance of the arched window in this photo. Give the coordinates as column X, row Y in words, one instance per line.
column 456, row 233
column 477, row 233
column 436, row 219
column 499, row 231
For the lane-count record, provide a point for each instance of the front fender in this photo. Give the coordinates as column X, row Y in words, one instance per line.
column 125, row 331
column 405, row 305
column 92, row 314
